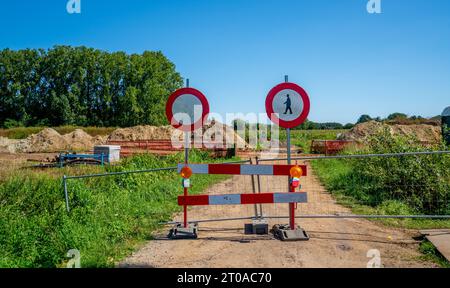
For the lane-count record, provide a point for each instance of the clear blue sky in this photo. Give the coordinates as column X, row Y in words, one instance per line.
column 349, row 61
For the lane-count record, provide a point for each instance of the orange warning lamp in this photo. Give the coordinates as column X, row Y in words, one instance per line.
column 296, row 172
column 186, row 172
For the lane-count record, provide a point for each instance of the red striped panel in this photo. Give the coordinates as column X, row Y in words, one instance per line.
column 227, row 169
column 305, row 170
column 280, row 170
column 193, row 200
column 262, row 198
column 257, row 198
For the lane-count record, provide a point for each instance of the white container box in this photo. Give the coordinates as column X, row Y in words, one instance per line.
column 111, row 153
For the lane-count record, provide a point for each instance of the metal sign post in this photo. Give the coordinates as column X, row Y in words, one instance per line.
column 291, row 189
column 183, row 114
column 287, row 105
column 186, row 161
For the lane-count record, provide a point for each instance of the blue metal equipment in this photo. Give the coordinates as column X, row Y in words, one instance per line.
column 65, row 159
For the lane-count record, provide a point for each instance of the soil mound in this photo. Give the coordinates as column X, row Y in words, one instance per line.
column 7, row 145
column 427, row 134
column 214, row 132
column 142, row 133
column 79, row 140
column 49, row 140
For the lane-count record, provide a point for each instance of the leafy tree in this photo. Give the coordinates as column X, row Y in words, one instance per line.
column 348, row 126
column 397, row 115
column 364, row 118
column 84, row 86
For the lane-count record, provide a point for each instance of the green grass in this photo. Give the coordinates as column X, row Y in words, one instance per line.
column 24, row 132
column 430, row 253
column 109, row 216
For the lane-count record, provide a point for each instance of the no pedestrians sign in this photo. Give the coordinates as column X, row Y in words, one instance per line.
column 287, row 105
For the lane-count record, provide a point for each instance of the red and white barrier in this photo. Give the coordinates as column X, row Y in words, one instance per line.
column 244, row 169
column 242, row 199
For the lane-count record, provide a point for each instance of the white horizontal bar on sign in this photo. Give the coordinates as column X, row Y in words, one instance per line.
column 196, row 168
column 290, row 198
column 230, row 199
column 256, row 170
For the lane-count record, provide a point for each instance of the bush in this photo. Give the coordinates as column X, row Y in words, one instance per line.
column 395, row 185
column 10, row 123
column 421, row 181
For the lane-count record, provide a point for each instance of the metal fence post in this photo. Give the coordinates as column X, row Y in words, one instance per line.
column 254, row 189
column 66, row 194
column 259, row 188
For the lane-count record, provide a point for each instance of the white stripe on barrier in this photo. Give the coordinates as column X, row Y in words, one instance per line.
column 256, row 170
column 290, row 198
column 244, row 169
column 231, row 199
column 238, row 199
column 196, row 168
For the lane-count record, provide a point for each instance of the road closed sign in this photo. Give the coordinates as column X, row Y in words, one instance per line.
column 186, row 109
column 287, row 105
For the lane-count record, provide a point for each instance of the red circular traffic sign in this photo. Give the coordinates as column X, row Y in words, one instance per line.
column 186, row 109
column 287, row 105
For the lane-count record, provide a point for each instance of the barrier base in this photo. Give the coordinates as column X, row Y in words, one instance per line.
column 181, row 232
column 284, row 233
column 258, row 226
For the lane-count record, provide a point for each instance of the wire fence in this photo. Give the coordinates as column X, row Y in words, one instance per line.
column 322, row 203
column 121, row 173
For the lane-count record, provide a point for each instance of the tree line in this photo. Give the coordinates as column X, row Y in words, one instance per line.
column 400, row 118
column 394, row 118
column 84, row 86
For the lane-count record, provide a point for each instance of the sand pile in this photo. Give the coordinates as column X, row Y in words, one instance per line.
column 142, row 133
column 49, row 140
column 8, row 145
column 214, row 132
column 424, row 133
column 80, row 141
column 429, row 134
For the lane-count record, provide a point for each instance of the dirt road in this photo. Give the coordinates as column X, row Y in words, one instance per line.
column 333, row 243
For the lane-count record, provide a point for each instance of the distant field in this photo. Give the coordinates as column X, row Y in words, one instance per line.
column 24, row 132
